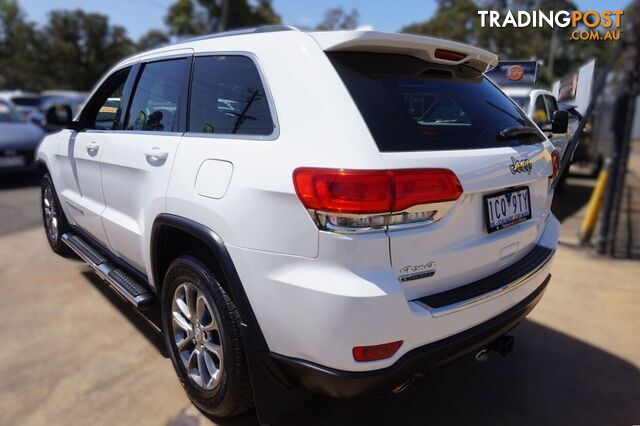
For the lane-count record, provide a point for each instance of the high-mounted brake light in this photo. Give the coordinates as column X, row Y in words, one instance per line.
column 555, row 162
column 374, row 199
column 376, row 352
column 449, row 55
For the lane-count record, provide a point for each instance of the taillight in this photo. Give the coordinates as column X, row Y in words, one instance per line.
column 449, row 55
column 555, row 162
column 374, row 199
column 424, row 186
column 344, row 191
column 376, row 352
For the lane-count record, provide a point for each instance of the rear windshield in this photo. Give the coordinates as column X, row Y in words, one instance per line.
column 522, row 101
column 413, row 105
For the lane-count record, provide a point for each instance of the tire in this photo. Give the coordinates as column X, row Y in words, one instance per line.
column 55, row 223
column 190, row 288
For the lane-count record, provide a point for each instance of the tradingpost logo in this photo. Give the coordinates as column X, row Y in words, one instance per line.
column 586, row 25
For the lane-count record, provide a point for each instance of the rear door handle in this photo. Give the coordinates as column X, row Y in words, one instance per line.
column 155, row 154
column 93, row 147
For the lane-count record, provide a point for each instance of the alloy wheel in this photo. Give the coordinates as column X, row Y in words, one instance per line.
column 50, row 215
column 197, row 336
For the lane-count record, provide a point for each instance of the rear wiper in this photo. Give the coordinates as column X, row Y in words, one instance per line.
column 518, row 132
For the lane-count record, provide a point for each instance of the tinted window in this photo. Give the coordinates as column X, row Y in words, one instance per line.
column 26, row 100
column 227, row 96
column 110, row 109
column 540, row 111
column 104, row 108
column 522, row 101
column 154, row 106
column 413, row 105
column 552, row 105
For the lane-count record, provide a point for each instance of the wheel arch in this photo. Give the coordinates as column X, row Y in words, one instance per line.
column 41, row 167
column 274, row 395
column 165, row 228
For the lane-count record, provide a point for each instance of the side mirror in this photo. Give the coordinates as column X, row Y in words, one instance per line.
column 60, row 116
column 560, row 122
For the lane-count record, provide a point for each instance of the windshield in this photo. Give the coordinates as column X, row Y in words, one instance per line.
column 413, row 105
column 8, row 114
column 522, row 101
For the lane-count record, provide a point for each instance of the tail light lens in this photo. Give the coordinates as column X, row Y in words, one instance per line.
column 555, row 162
column 373, row 198
column 376, row 352
column 344, row 191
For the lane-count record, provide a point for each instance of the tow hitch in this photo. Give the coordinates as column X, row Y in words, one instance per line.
column 502, row 345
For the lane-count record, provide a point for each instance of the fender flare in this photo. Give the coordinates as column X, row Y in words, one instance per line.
column 229, row 273
column 274, row 396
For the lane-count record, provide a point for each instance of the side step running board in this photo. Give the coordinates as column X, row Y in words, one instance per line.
column 119, row 280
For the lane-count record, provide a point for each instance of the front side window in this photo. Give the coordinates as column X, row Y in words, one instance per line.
column 104, row 108
column 227, row 97
column 154, row 105
column 409, row 104
column 540, row 115
column 552, row 105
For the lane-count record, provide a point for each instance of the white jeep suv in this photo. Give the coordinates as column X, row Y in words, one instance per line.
column 330, row 212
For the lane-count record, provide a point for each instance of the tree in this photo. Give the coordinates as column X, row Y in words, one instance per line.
column 20, row 55
column 337, row 19
column 152, row 39
column 82, row 46
column 194, row 17
column 453, row 20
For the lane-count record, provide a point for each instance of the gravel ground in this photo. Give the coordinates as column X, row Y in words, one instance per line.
column 73, row 353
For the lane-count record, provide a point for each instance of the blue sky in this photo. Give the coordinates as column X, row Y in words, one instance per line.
column 138, row 16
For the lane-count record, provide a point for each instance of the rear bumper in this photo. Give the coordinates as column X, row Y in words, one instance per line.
column 351, row 384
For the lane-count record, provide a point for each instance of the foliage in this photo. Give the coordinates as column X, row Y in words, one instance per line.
column 152, row 39
column 74, row 48
column 194, row 17
column 337, row 19
column 71, row 52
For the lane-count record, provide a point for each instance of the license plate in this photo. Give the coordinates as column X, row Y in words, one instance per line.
column 506, row 208
column 13, row 161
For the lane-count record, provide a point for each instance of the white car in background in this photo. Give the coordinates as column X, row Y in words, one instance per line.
column 325, row 212
column 540, row 106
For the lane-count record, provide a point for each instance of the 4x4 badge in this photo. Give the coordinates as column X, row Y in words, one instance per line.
column 520, row 166
column 416, row 272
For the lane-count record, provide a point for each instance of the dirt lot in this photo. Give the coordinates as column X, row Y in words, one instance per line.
column 72, row 353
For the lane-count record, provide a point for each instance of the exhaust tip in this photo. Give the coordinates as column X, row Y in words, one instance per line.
column 403, row 386
column 482, row 355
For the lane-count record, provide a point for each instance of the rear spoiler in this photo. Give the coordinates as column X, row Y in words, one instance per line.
column 426, row 48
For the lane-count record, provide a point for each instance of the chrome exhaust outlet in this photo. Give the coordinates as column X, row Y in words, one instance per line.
column 482, row 355
column 403, row 386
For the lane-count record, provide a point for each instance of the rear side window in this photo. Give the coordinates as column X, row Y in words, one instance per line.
column 227, row 97
column 154, row 106
column 413, row 105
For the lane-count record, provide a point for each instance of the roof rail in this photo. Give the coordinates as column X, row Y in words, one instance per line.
column 241, row 31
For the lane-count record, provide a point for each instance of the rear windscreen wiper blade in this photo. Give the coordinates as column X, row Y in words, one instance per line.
column 518, row 132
